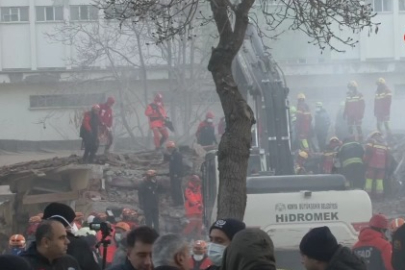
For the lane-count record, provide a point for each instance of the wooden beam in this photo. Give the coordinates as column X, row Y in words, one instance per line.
column 51, row 197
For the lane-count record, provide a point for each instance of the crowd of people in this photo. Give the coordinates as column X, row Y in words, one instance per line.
column 59, row 244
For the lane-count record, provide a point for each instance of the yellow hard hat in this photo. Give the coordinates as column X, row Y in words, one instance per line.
column 352, row 84
column 303, row 154
column 381, row 81
column 301, row 96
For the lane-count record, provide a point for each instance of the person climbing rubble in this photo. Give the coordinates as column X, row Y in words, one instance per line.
column 193, row 207
column 206, row 131
column 16, row 244
column 376, row 160
column 106, row 119
column 149, row 199
column 89, row 133
column 372, row 246
column 303, row 123
column 176, row 170
column 382, row 105
column 199, row 259
column 329, row 155
column 354, row 110
column 157, row 115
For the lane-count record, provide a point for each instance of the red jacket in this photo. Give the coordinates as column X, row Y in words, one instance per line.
column 106, row 116
column 304, row 119
column 382, row 104
column 203, row 264
column 354, row 107
column 193, row 203
column 374, row 249
column 376, row 155
column 156, row 119
column 112, row 248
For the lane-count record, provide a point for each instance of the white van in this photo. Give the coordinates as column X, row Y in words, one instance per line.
column 287, row 207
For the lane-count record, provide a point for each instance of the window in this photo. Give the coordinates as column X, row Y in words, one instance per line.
column 49, row 14
column 65, row 101
column 401, row 5
column 14, row 14
column 83, row 13
column 382, row 5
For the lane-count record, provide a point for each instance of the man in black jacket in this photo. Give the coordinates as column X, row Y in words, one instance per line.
column 176, row 173
column 149, row 199
column 398, row 249
column 48, row 252
column 78, row 247
column 139, row 254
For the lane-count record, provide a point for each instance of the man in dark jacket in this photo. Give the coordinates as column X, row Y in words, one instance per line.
column 139, row 254
column 176, row 173
column 206, row 131
column 78, row 247
column 322, row 124
column 321, row 251
column 149, row 199
column 89, row 133
column 11, row 262
column 48, row 252
column 398, row 249
column 171, row 252
column 350, row 156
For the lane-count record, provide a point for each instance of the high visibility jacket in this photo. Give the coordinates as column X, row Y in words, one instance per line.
column 382, row 103
column 193, row 202
column 112, row 248
column 374, row 250
column 354, row 107
column 376, row 155
column 350, row 153
column 304, row 119
column 199, row 265
column 106, row 116
column 157, row 115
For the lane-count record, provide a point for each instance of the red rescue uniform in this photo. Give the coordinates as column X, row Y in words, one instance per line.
column 157, row 115
column 382, row 105
column 374, row 250
column 193, row 208
column 112, row 248
column 106, row 115
column 354, row 108
column 200, row 265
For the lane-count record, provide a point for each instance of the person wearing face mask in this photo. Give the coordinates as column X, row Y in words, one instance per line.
column 199, row 259
column 157, row 115
column 221, row 235
column 120, row 232
column 77, row 247
column 206, row 131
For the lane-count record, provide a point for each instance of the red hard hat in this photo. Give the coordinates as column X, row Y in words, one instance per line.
column 111, row 100
column 158, row 97
column 209, row 115
column 378, row 221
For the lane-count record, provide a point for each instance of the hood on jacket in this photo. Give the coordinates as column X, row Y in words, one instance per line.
column 250, row 249
column 369, row 235
column 345, row 259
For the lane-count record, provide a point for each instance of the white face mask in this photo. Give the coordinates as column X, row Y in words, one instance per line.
column 73, row 228
column 209, row 120
column 118, row 237
column 215, row 253
column 198, row 258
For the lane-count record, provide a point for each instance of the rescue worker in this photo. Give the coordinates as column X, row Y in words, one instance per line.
column 130, row 217
column 372, row 246
column 121, row 229
column 329, row 155
column 193, row 207
column 199, row 258
column 175, row 172
column 376, row 159
column 382, row 105
column 206, row 131
column 300, row 163
column 16, row 244
column 221, row 126
column 350, row 157
column 322, row 124
column 157, row 120
column 354, row 110
column 398, row 248
column 89, row 133
column 303, row 124
column 395, row 224
column 106, row 119
column 149, row 200
column 293, row 121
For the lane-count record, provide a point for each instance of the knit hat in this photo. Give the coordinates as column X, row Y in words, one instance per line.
column 60, row 212
column 10, row 262
column 319, row 244
column 229, row 226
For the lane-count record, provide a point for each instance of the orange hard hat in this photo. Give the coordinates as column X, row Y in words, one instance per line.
column 200, row 245
column 379, row 221
column 35, row 219
column 123, row 225
column 111, row 100
column 150, row 172
column 209, row 115
column 158, row 97
column 396, row 223
column 17, row 240
column 170, row 144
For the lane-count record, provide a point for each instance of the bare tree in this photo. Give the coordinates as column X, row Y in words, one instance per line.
column 314, row 17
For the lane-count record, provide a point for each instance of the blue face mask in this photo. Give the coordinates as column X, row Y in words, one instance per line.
column 215, row 253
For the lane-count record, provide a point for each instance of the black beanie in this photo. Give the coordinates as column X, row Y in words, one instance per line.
column 229, row 226
column 10, row 262
column 319, row 244
column 60, row 209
